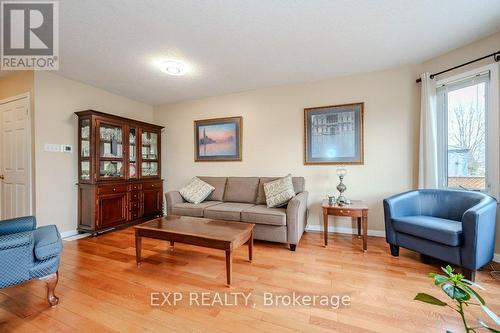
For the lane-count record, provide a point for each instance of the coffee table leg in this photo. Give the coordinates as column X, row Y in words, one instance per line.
column 229, row 266
column 365, row 233
column 138, row 248
column 250, row 247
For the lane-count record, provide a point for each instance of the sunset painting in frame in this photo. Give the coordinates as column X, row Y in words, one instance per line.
column 218, row 139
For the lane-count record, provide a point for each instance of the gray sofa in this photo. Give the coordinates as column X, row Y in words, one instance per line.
column 243, row 199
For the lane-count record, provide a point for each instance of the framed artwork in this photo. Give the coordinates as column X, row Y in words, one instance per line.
column 218, row 139
column 334, row 134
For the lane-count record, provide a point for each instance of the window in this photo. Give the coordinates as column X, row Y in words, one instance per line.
column 468, row 132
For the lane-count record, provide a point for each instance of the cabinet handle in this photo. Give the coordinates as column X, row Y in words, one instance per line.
column 114, row 189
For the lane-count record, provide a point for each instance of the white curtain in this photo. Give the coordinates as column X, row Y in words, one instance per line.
column 428, row 157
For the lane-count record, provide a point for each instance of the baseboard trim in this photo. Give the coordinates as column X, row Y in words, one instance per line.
column 496, row 257
column 344, row 230
column 72, row 235
column 69, row 233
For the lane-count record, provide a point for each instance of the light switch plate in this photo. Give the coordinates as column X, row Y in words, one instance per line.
column 53, row 148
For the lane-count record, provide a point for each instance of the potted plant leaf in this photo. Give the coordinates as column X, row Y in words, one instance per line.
column 462, row 295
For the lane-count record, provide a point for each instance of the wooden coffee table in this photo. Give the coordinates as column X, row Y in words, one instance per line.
column 209, row 233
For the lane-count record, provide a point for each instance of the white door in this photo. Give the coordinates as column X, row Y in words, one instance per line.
column 15, row 157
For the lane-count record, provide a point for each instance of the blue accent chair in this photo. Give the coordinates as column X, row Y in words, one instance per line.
column 28, row 253
column 455, row 226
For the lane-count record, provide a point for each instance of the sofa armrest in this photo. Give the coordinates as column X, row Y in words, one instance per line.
column 404, row 204
column 19, row 239
column 173, row 197
column 18, row 224
column 48, row 242
column 478, row 230
column 296, row 217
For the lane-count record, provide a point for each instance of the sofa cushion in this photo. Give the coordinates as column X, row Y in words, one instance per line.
column 439, row 230
column 190, row 209
column 196, row 191
column 279, row 191
column 262, row 214
column 219, row 183
column 230, row 211
column 298, row 186
column 241, row 189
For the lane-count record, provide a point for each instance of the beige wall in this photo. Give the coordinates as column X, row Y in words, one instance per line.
column 16, row 84
column 469, row 52
column 273, row 136
column 57, row 99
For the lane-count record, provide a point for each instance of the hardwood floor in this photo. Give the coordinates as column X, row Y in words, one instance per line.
column 101, row 289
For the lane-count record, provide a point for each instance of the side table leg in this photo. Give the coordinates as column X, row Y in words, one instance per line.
column 365, row 233
column 325, row 226
column 359, row 227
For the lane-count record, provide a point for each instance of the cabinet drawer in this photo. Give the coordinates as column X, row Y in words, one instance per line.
column 151, row 185
column 135, row 195
column 110, row 189
column 347, row 212
column 135, row 187
column 135, row 214
column 134, row 205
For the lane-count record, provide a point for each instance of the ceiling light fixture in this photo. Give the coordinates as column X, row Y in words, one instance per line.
column 174, row 68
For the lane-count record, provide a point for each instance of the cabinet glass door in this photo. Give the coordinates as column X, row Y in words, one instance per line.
column 85, row 149
column 149, row 154
column 132, row 153
column 110, row 151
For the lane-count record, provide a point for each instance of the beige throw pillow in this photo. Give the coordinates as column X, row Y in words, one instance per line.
column 279, row 191
column 196, row 191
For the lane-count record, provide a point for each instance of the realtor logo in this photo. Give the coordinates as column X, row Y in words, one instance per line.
column 30, row 35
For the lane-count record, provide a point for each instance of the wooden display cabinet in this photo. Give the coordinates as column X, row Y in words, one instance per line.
column 119, row 171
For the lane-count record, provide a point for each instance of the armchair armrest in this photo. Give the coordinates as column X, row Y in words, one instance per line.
column 478, row 230
column 296, row 217
column 173, row 197
column 48, row 242
column 19, row 239
column 404, row 204
column 18, row 224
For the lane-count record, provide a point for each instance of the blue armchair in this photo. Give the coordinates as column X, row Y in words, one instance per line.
column 28, row 253
column 455, row 226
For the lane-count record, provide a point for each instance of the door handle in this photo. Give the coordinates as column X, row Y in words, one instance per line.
column 2, row 177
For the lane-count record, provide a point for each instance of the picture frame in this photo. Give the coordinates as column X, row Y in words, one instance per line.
column 334, row 134
column 218, row 139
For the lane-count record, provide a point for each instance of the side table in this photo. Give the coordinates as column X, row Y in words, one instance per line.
column 356, row 209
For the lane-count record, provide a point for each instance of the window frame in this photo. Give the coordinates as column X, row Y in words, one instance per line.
column 492, row 121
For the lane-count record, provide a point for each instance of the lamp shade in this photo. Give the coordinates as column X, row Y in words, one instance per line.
column 341, row 172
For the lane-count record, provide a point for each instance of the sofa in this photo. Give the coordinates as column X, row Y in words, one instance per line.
column 455, row 226
column 28, row 252
column 243, row 199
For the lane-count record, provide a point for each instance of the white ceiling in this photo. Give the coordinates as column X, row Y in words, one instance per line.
column 236, row 45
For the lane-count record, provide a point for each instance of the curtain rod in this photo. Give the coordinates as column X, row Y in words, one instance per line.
column 495, row 55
